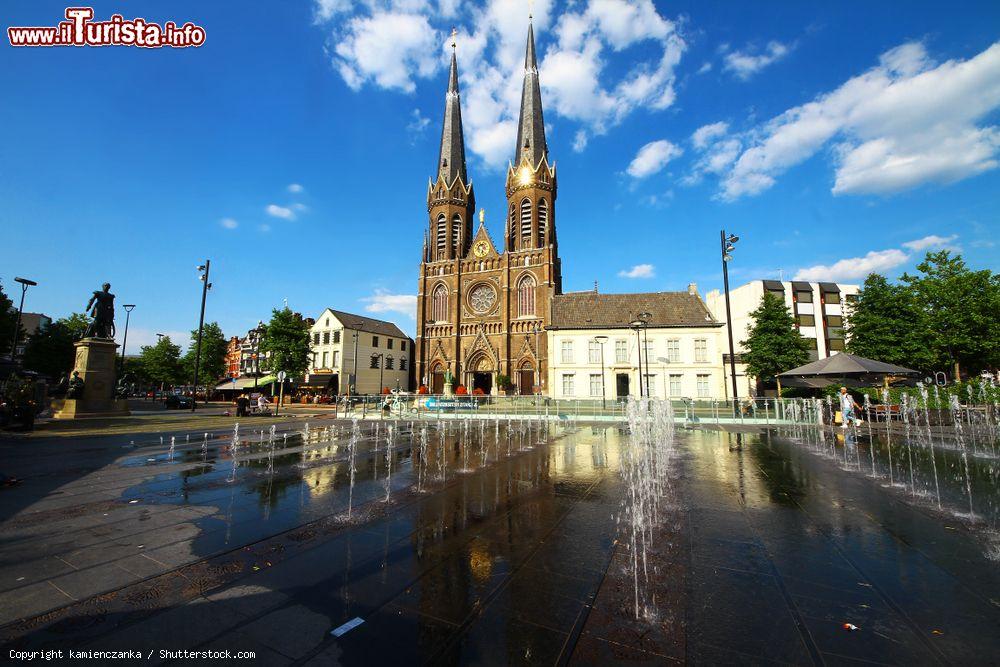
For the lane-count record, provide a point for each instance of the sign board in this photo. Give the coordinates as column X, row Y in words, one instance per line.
column 282, row 375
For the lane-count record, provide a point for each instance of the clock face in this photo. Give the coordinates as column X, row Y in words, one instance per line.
column 482, row 298
column 481, row 249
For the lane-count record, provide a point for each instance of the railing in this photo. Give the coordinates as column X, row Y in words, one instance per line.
column 761, row 411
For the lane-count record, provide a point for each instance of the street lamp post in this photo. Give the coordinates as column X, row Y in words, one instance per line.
column 640, row 323
column 159, row 337
column 665, row 362
column 352, row 385
column 203, row 270
column 258, row 335
column 25, row 284
column 728, row 243
column 601, row 340
column 128, row 313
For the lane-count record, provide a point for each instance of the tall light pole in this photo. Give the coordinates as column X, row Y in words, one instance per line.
column 352, row 385
column 205, row 286
column 601, row 340
column 640, row 323
column 646, row 317
column 728, row 243
column 159, row 337
column 665, row 362
column 25, row 284
column 258, row 335
column 128, row 313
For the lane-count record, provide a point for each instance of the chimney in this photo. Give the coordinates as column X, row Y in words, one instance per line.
column 693, row 289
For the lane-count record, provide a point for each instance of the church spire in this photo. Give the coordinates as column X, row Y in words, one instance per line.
column 531, row 126
column 451, row 161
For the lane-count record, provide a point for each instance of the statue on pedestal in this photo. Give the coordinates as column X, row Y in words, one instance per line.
column 102, row 308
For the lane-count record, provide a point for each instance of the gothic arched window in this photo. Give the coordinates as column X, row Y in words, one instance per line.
column 525, row 223
column 526, row 296
column 456, row 234
column 439, row 304
column 543, row 222
column 441, row 236
column 512, row 228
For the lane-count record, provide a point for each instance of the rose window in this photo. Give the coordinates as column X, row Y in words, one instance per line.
column 482, row 298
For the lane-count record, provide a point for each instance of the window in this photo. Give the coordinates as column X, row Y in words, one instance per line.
column 456, row 234
column 388, row 343
column 326, row 337
column 389, row 363
column 700, row 350
column 374, row 341
column 650, row 380
column 336, row 336
column 336, row 359
column 374, row 361
column 593, row 352
column 526, row 296
column 851, row 298
column 543, row 221
column 402, row 363
column 567, row 351
column 703, row 386
column 837, row 344
column 525, row 224
column 674, row 350
column 316, row 338
column 441, row 236
column 439, row 304
column 325, row 359
column 675, row 385
column 804, row 297
column 327, row 322
column 807, row 320
column 831, row 297
column 402, row 346
column 621, row 352
column 648, row 351
column 595, row 385
column 512, row 228
column 834, row 321
column 568, row 388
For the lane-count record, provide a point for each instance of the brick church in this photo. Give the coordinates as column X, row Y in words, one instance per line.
column 482, row 307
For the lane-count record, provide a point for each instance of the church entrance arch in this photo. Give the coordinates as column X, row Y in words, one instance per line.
column 481, row 374
column 526, row 379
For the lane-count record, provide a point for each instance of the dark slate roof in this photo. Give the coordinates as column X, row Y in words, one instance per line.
column 531, row 127
column 451, row 159
column 590, row 310
column 371, row 325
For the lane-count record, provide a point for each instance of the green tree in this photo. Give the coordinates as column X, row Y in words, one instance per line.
column 887, row 324
column 773, row 345
column 285, row 346
column 8, row 320
column 50, row 350
column 960, row 308
column 162, row 362
column 213, row 355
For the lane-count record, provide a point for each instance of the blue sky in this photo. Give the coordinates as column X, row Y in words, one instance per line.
column 294, row 147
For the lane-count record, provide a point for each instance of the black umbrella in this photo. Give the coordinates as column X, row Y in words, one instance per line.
column 845, row 369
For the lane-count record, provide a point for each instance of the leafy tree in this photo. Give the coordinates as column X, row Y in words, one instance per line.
column 887, row 324
column 162, row 362
column 134, row 367
column 773, row 345
column 213, row 355
column 285, row 346
column 8, row 320
column 959, row 312
column 50, row 350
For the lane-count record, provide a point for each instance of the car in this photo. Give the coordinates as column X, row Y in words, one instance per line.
column 178, row 402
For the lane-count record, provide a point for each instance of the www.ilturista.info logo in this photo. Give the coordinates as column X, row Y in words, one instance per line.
column 80, row 30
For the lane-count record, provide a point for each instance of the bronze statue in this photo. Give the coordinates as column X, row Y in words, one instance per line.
column 102, row 309
column 75, row 386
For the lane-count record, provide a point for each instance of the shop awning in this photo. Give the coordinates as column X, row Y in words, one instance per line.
column 244, row 383
column 318, row 380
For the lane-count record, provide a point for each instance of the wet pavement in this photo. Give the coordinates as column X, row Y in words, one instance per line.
column 500, row 543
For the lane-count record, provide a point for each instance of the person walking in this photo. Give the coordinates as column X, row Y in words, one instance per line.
column 847, row 405
column 242, row 403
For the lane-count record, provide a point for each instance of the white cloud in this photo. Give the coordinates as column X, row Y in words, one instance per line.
column 295, row 188
column 876, row 261
column 854, row 268
column 744, row 64
column 903, row 123
column 229, row 223
column 932, row 241
column 283, row 212
column 417, row 125
column 588, row 73
column 718, row 151
column 704, row 134
column 705, row 68
column 264, row 227
column 639, row 271
column 652, row 157
column 383, row 302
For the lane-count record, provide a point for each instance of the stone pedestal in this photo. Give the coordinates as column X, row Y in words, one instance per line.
column 449, row 389
column 95, row 361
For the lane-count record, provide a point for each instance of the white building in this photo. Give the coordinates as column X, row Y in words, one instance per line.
column 343, row 345
column 680, row 349
column 818, row 308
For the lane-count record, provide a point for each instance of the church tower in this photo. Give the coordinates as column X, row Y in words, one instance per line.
column 482, row 310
